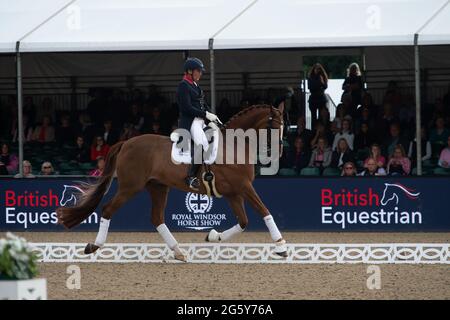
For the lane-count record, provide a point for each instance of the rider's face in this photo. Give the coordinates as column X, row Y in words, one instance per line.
column 197, row 74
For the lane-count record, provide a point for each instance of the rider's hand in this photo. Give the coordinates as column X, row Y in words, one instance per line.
column 211, row 116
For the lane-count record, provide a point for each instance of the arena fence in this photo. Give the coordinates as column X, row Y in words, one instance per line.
column 240, row 253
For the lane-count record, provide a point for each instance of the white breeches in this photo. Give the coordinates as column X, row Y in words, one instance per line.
column 197, row 133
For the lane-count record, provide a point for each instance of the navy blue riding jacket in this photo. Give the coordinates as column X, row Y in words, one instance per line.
column 191, row 103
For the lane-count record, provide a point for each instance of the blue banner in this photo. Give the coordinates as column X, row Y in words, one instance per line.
column 297, row 204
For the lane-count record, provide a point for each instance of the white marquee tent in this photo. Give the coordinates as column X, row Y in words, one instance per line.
column 116, row 25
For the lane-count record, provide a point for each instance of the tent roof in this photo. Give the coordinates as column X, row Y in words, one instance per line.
column 325, row 23
column 117, row 25
column 437, row 31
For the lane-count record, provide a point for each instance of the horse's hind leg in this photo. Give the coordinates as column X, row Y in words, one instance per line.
column 108, row 210
column 237, row 205
column 158, row 193
column 251, row 196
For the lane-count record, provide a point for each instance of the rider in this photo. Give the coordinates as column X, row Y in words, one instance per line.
column 193, row 112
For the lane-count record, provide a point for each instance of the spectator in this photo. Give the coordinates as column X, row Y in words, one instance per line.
column 97, row 172
column 156, row 128
column 301, row 132
column 348, row 169
column 30, row 110
column 45, row 132
column 136, row 118
column 8, row 162
column 46, row 109
column 365, row 117
column 65, row 133
column 317, row 84
column 81, row 152
column 392, row 95
column 27, row 130
column 99, row 148
column 439, row 135
column 47, row 169
column 342, row 154
column 385, row 121
column 324, row 117
column 346, row 134
column 320, row 132
column 298, row 157
column 367, row 103
column 85, row 127
column 373, row 169
column 375, row 153
column 444, row 158
column 426, row 148
column 394, row 139
column 364, row 139
column 399, row 164
column 128, row 132
column 321, row 155
column 109, row 134
column 27, row 171
column 353, row 84
column 336, row 125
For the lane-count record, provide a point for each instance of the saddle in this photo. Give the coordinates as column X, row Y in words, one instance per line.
column 181, row 153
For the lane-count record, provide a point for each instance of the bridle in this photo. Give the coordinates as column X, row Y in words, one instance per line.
column 272, row 119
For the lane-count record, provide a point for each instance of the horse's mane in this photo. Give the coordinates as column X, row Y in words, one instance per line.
column 246, row 110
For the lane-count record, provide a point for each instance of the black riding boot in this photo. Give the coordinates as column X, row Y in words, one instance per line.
column 192, row 180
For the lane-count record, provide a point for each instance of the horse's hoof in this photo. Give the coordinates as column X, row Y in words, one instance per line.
column 213, row 236
column 283, row 254
column 180, row 257
column 90, row 248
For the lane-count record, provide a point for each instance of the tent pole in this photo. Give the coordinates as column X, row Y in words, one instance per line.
column 418, row 105
column 213, row 75
column 20, row 134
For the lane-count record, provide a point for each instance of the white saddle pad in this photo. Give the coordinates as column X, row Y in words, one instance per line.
column 180, row 155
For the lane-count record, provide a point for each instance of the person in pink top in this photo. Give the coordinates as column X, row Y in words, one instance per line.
column 444, row 158
column 375, row 153
column 100, row 167
column 399, row 164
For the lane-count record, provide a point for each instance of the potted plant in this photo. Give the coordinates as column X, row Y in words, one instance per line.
column 18, row 269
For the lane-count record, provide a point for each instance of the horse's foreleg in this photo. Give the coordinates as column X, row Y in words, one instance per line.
column 237, row 205
column 158, row 194
column 252, row 197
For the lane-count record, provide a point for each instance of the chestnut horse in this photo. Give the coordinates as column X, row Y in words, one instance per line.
column 144, row 162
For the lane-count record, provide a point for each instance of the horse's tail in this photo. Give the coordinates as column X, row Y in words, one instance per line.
column 92, row 195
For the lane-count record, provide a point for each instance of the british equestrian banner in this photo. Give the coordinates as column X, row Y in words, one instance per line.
column 297, row 204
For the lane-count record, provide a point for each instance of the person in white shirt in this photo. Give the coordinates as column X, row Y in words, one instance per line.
column 346, row 134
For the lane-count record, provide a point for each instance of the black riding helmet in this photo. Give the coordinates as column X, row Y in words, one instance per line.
column 193, row 64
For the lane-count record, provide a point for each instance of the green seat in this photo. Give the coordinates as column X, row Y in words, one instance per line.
column 310, row 172
column 331, row 172
column 65, row 166
column 86, row 166
column 425, row 171
column 287, row 172
column 429, row 163
column 441, row 171
column 75, row 173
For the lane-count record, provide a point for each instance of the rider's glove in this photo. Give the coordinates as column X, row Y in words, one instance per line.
column 211, row 116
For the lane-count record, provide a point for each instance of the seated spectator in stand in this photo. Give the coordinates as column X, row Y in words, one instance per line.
column 444, row 158
column 426, row 148
column 156, row 128
column 344, row 133
column 395, row 138
column 348, row 169
column 439, row 136
column 46, row 109
column 65, row 133
column 366, row 118
column 384, row 122
column 27, row 130
column 97, row 172
column 82, row 152
column 399, row 164
column 364, row 139
column 109, row 134
column 298, row 156
column 336, row 125
column 128, row 132
column 321, row 155
column 301, row 132
column 85, row 127
column 99, row 148
column 324, row 118
column 136, row 118
column 372, row 168
column 320, row 132
column 341, row 155
column 27, row 171
column 45, row 132
column 8, row 162
column 159, row 118
column 47, row 169
column 375, row 153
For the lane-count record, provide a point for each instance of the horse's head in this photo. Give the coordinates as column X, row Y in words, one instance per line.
column 260, row 117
